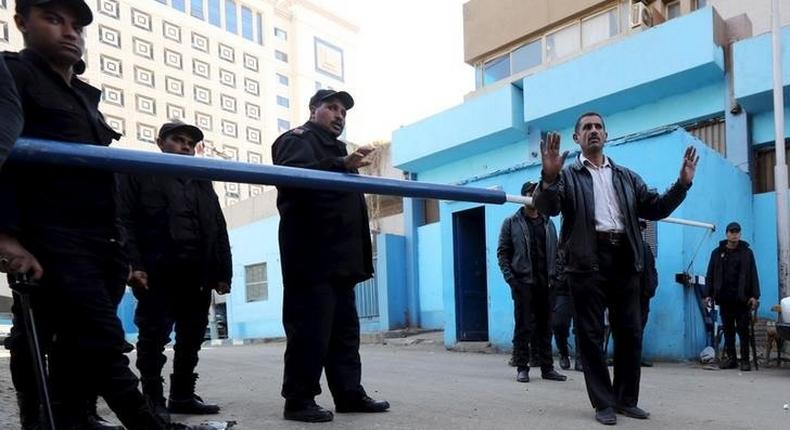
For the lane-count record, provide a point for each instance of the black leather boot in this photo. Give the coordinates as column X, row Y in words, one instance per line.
column 154, row 394
column 93, row 421
column 183, row 399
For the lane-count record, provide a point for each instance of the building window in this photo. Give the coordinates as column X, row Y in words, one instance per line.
column 254, row 157
column 259, row 24
column 328, row 59
column 253, row 135
column 283, row 125
column 230, row 129
column 109, row 8
column 228, row 103
column 527, row 56
column 146, row 133
column 673, row 9
column 174, row 86
column 231, row 24
column 204, row 121
column 282, row 56
column 600, row 27
column 200, row 42
column 202, row 95
column 214, row 13
column 173, row 59
column 201, row 68
column 111, row 66
column 251, row 62
column 252, row 111
column 256, row 284
column 171, row 31
column 712, row 132
column 231, row 153
column 282, row 79
column 563, row 42
column 251, row 87
column 255, row 190
column 178, row 5
column 283, row 101
column 227, row 78
column 146, row 105
column 143, row 48
column 175, row 112
column 227, row 53
column 246, row 23
column 280, row 33
column 196, row 9
column 117, row 124
column 108, row 36
column 112, row 95
column 144, row 76
column 4, row 31
column 764, row 162
column 141, row 20
column 231, row 189
column 496, row 69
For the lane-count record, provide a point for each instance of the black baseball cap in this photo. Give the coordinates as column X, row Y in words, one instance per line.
column 83, row 11
column 178, row 126
column 733, row 226
column 528, row 187
column 322, row 95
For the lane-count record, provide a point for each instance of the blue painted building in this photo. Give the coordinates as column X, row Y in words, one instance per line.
column 657, row 89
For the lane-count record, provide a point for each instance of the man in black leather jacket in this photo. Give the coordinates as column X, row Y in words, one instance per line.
column 601, row 203
column 526, row 253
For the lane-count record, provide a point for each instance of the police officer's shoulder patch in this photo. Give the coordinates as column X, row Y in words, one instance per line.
column 298, row 131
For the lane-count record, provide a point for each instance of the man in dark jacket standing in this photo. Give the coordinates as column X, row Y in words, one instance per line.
column 11, row 120
column 601, row 203
column 325, row 251
column 177, row 241
column 527, row 253
column 732, row 282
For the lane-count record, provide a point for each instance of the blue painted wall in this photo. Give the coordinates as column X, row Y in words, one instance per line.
column 431, row 278
column 390, row 274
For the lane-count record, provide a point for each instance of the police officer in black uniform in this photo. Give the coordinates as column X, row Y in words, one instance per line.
column 59, row 225
column 177, row 240
column 325, row 251
column 11, row 120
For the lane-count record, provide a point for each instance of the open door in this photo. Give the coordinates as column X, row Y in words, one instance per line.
column 471, row 292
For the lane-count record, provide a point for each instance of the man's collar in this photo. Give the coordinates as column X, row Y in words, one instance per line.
column 587, row 163
column 38, row 59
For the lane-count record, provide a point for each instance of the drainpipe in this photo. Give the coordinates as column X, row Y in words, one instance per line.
column 780, row 170
column 412, row 215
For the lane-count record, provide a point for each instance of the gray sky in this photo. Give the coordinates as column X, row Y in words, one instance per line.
column 410, row 64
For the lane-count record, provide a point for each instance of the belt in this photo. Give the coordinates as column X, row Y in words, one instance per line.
column 610, row 237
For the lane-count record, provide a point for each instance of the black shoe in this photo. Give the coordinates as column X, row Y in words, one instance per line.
column 523, row 374
column 632, row 412
column 729, row 363
column 746, row 366
column 565, row 362
column 577, row 366
column 306, row 411
column 646, row 363
column 95, row 422
column 183, row 399
column 154, row 395
column 553, row 375
column 362, row 404
column 606, row 416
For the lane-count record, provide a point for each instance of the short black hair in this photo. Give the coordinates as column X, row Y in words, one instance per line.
column 584, row 115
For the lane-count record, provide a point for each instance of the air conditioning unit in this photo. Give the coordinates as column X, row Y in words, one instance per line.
column 641, row 15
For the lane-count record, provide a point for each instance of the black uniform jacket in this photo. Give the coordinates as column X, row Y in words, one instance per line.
column 148, row 207
column 40, row 197
column 324, row 235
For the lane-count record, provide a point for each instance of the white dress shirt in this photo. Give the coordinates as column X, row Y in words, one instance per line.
column 608, row 216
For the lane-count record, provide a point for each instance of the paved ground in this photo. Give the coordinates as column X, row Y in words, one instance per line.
column 431, row 388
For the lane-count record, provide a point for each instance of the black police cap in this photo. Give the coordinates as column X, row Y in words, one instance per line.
column 83, row 11
column 322, row 95
column 177, row 126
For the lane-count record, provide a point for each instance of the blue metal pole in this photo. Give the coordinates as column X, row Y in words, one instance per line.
column 34, row 151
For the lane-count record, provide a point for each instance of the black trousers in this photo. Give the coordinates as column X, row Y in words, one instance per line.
column 322, row 329
column 561, row 319
column 614, row 287
column 175, row 300
column 531, row 332
column 736, row 317
column 80, row 333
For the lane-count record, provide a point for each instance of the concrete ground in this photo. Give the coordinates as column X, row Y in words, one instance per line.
column 432, row 388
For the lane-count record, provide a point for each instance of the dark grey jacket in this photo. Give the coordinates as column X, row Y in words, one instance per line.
column 748, row 282
column 572, row 195
column 514, row 253
column 11, row 120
